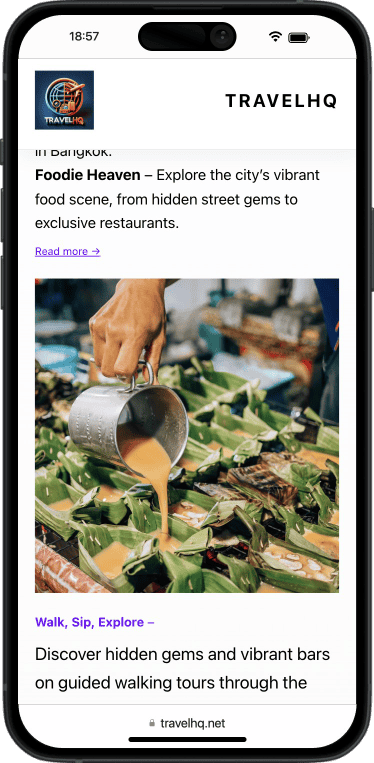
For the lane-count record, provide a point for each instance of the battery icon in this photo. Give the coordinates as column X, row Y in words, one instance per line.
column 298, row 37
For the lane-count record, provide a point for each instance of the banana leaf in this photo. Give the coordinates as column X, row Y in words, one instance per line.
column 290, row 442
column 328, row 440
column 176, row 377
column 276, row 420
column 242, row 574
column 294, row 445
column 226, row 396
column 292, row 520
column 49, row 444
column 206, row 433
column 240, row 388
column 84, row 475
column 204, row 502
column 327, row 507
column 196, row 543
column 204, row 413
column 216, row 583
column 298, row 545
column 310, row 414
column 327, row 437
column 226, row 537
column 205, row 389
column 142, row 517
column 252, row 507
column 49, row 379
column 259, row 536
column 145, row 520
column 216, row 392
column 330, row 524
column 272, row 563
column 256, row 396
column 193, row 541
column 50, row 489
column 284, row 514
column 334, row 468
column 303, row 476
column 298, row 540
column 288, row 516
column 294, row 583
column 55, row 468
column 242, row 449
column 224, row 511
column 199, row 431
column 53, row 421
column 195, row 404
column 197, row 394
column 40, row 457
column 259, row 558
column 219, row 512
column 295, row 529
column 185, row 576
column 223, row 379
column 200, row 396
column 138, row 570
column 208, row 463
column 256, row 428
column 307, row 480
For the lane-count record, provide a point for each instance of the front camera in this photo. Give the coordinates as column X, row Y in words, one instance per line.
column 223, row 36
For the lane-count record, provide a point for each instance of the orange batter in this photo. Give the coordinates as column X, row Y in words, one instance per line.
column 109, row 494
column 111, row 560
column 147, row 457
column 63, row 505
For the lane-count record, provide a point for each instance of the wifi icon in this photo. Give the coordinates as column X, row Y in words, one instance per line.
column 275, row 36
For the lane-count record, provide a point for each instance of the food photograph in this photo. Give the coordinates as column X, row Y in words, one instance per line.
column 187, row 436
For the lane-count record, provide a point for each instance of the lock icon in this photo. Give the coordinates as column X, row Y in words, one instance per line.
column 151, row 722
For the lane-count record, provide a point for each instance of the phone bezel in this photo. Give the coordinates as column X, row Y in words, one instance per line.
column 363, row 405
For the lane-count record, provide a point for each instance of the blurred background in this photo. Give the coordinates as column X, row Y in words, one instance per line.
column 271, row 329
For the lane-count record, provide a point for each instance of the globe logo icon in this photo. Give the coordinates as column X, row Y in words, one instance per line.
column 64, row 96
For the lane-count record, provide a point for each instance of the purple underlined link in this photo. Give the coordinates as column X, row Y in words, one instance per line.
column 69, row 256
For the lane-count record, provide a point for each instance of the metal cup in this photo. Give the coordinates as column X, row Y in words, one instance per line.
column 155, row 410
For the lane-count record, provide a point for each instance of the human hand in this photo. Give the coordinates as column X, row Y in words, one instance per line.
column 132, row 320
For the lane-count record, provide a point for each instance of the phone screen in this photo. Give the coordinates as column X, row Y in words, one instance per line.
column 233, row 169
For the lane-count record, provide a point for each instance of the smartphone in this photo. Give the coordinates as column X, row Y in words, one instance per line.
column 227, row 145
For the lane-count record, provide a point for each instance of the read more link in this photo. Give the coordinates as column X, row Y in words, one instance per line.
column 64, row 100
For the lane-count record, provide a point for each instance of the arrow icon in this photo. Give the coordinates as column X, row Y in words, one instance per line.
column 96, row 251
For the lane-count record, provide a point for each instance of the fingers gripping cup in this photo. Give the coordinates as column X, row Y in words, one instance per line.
column 101, row 418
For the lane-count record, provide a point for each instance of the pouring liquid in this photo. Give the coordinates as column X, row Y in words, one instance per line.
column 145, row 455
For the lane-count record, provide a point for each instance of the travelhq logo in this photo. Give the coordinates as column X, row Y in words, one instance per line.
column 64, row 100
